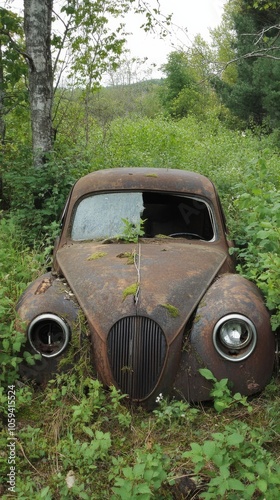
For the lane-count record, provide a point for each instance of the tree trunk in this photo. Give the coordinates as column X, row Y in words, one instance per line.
column 37, row 27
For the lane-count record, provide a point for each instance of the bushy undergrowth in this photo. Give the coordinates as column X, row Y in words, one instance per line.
column 76, row 440
column 243, row 166
column 18, row 265
column 258, row 232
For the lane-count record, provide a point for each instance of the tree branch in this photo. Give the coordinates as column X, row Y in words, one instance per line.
column 256, row 53
column 18, row 49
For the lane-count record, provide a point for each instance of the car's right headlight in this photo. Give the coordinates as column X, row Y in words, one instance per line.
column 48, row 334
column 235, row 337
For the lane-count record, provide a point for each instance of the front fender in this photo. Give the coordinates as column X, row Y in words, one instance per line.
column 231, row 293
column 47, row 294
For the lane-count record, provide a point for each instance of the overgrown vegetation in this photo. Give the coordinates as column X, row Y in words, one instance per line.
column 76, row 440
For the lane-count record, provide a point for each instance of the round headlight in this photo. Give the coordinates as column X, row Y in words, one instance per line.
column 235, row 337
column 48, row 334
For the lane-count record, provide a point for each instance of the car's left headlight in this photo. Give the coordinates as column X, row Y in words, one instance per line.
column 48, row 334
column 235, row 337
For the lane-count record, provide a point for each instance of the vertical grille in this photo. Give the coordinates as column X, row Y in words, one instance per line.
column 136, row 350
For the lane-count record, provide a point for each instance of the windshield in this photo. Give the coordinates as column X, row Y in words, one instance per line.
column 101, row 216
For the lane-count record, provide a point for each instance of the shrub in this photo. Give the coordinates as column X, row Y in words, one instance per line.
column 17, row 264
column 259, row 234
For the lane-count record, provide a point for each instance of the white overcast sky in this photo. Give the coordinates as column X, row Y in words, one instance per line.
column 193, row 16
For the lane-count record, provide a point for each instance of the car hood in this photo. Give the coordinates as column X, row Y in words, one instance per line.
column 160, row 279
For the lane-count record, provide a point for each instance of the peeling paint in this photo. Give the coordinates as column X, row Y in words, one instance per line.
column 44, row 286
column 130, row 256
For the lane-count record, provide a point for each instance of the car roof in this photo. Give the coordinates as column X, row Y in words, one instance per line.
column 141, row 178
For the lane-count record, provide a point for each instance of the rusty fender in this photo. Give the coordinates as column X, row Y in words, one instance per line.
column 47, row 294
column 231, row 293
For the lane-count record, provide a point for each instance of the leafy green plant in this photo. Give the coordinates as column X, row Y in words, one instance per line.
column 259, row 260
column 90, row 403
column 122, row 414
column 14, row 274
column 33, row 439
column 37, row 198
column 236, row 463
column 51, row 233
column 12, row 352
column 173, row 411
column 94, row 402
column 82, row 455
column 132, row 231
column 221, row 393
column 141, row 480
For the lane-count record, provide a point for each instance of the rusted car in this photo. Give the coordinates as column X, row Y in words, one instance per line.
column 144, row 254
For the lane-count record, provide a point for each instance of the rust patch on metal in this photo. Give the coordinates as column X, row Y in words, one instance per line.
column 130, row 256
column 253, row 386
column 44, row 286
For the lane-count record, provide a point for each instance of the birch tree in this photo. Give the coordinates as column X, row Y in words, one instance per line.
column 37, row 27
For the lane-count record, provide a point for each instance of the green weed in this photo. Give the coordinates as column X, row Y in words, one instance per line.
column 221, row 393
column 142, row 479
column 174, row 411
column 132, row 231
column 236, row 462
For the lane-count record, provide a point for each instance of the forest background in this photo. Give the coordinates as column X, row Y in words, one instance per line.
column 216, row 111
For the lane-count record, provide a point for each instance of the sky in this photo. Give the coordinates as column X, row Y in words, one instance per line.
column 191, row 16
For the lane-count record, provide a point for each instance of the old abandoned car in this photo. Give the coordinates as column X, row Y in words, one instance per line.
column 143, row 253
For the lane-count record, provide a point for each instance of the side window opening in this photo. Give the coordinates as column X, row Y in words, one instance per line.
column 168, row 214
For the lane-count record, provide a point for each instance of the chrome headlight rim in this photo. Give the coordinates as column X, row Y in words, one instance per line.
column 235, row 353
column 44, row 319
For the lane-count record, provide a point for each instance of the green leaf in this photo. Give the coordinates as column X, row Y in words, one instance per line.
column 235, row 439
column 139, row 470
column 16, row 346
column 247, row 462
column 220, row 406
column 144, row 489
column 207, row 374
column 224, row 472
column 262, row 485
column 209, row 448
column 236, row 484
column 6, row 344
